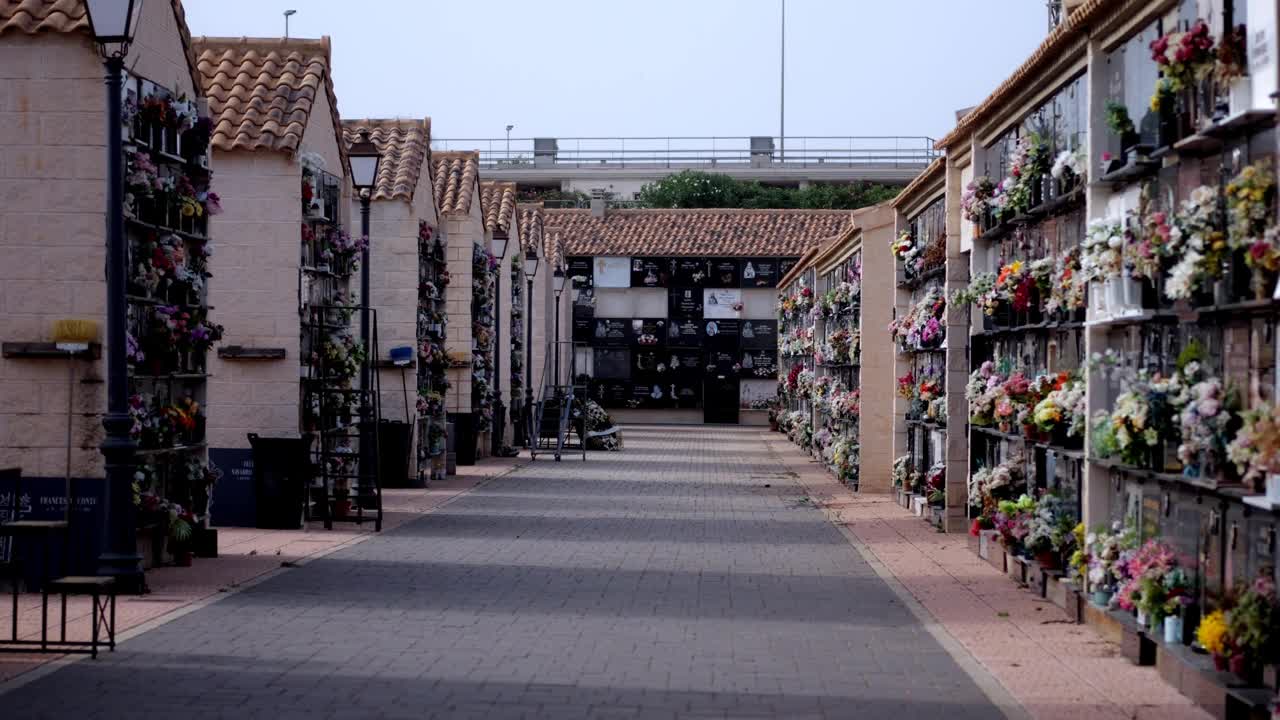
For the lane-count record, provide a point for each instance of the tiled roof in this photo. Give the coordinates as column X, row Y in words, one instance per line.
column 1069, row 30
column 498, row 205
column 403, row 145
column 695, row 232
column 34, row 16
column 454, row 176
column 261, row 90
column 64, row 16
column 553, row 240
column 531, row 223
column 924, row 178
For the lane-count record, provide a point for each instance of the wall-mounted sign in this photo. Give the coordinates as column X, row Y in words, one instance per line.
column 612, row 394
column 760, row 335
column 785, row 265
column 648, row 395
column 684, row 303
column 650, row 272
column 687, row 393
column 650, row 332
column 583, row 328
column 724, row 273
column 722, row 334
column 650, row 363
column 721, row 303
column 759, row 272
column 612, row 272
column 722, row 362
column 685, row 333
column 762, row 364
column 611, row 331
column 612, row 363
column 580, row 267
column 690, row 272
column 686, row 362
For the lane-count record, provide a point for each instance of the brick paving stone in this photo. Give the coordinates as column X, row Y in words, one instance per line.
column 685, row 577
column 1054, row 670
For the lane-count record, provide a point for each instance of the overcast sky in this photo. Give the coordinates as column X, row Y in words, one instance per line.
column 566, row 68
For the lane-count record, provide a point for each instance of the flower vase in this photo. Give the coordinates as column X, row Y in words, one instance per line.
column 1273, row 488
column 1097, row 300
column 1245, row 668
column 1220, row 662
column 1101, row 598
column 1142, row 619
column 1173, row 630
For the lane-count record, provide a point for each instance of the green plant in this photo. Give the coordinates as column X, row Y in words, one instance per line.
column 696, row 189
column 1252, row 623
column 1192, row 352
column 1118, row 118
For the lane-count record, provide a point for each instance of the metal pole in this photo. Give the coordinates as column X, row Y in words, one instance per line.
column 528, row 365
column 557, row 343
column 366, row 402
column 499, row 410
column 782, row 89
column 119, row 545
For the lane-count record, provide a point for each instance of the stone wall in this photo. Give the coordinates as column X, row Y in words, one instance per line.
column 254, row 292
column 52, row 229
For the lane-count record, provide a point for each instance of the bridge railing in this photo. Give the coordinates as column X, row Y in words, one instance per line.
column 696, row 152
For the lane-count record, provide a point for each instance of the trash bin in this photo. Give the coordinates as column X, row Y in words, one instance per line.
column 464, row 437
column 281, row 471
column 394, row 441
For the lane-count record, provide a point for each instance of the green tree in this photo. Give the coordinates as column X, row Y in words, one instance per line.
column 695, row 189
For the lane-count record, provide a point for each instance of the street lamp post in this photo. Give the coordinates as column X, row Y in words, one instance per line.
column 112, row 23
column 530, row 270
column 559, row 277
column 509, row 128
column 365, row 159
column 499, row 409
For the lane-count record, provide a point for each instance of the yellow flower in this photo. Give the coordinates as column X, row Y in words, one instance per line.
column 1212, row 633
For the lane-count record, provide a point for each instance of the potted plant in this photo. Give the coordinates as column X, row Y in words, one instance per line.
column 181, row 523
column 1177, row 592
column 1251, row 625
column 1118, row 122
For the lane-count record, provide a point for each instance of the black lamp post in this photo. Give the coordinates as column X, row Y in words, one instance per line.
column 559, row 278
column 530, row 270
column 113, row 23
column 499, row 410
column 365, row 159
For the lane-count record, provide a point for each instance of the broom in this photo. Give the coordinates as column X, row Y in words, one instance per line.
column 72, row 336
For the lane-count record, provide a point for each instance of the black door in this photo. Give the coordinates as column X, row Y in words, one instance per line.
column 720, row 399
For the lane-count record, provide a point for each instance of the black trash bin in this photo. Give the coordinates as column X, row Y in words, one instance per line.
column 464, row 437
column 281, row 471
column 394, row 441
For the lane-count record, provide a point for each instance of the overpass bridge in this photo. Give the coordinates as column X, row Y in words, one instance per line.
column 621, row 166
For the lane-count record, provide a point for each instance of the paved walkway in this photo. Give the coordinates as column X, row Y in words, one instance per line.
column 684, row 577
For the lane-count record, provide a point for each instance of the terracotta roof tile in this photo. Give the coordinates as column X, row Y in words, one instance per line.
column 64, row 16
column 531, row 226
column 498, row 205
column 34, row 16
column 553, row 239
column 261, row 90
column 403, row 145
column 454, row 177
column 1032, row 68
column 695, row 232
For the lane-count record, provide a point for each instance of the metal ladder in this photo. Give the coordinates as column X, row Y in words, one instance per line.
column 560, row 408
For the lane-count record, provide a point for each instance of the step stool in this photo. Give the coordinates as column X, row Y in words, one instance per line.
column 103, row 612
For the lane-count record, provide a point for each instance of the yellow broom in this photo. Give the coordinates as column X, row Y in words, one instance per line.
column 72, row 337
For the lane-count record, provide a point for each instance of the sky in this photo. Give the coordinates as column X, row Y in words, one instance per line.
column 656, row 68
